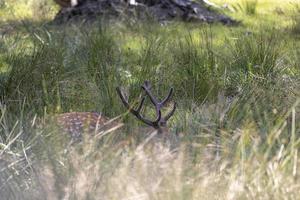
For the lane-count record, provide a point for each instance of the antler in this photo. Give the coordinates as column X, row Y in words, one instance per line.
column 158, row 105
column 137, row 111
column 160, row 121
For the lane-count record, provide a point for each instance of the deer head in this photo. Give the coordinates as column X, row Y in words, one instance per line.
column 161, row 121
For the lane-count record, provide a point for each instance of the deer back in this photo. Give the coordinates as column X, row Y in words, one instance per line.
column 77, row 123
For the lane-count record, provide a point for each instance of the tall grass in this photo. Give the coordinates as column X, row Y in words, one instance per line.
column 257, row 54
column 15, row 156
column 196, row 66
column 237, row 115
column 296, row 19
column 109, row 168
column 248, row 7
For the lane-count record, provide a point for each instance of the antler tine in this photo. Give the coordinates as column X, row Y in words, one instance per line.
column 163, row 102
column 156, row 122
column 123, row 99
column 146, row 87
column 171, row 112
column 141, row 105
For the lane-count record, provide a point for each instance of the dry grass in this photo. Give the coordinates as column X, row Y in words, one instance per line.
column 151, row 170
column 112, row 167
column 161, row 174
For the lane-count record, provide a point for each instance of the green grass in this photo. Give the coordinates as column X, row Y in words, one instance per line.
column 237, row 90
column 248, row 7
column 296, row 19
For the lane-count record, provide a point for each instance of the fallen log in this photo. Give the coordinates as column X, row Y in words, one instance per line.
column 159, row 10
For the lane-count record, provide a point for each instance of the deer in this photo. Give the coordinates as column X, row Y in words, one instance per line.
column 75, row 123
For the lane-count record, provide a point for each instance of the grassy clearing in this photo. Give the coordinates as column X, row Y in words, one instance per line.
column 237, row 90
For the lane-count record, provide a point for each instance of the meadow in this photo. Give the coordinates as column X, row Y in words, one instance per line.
column 236, row 87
